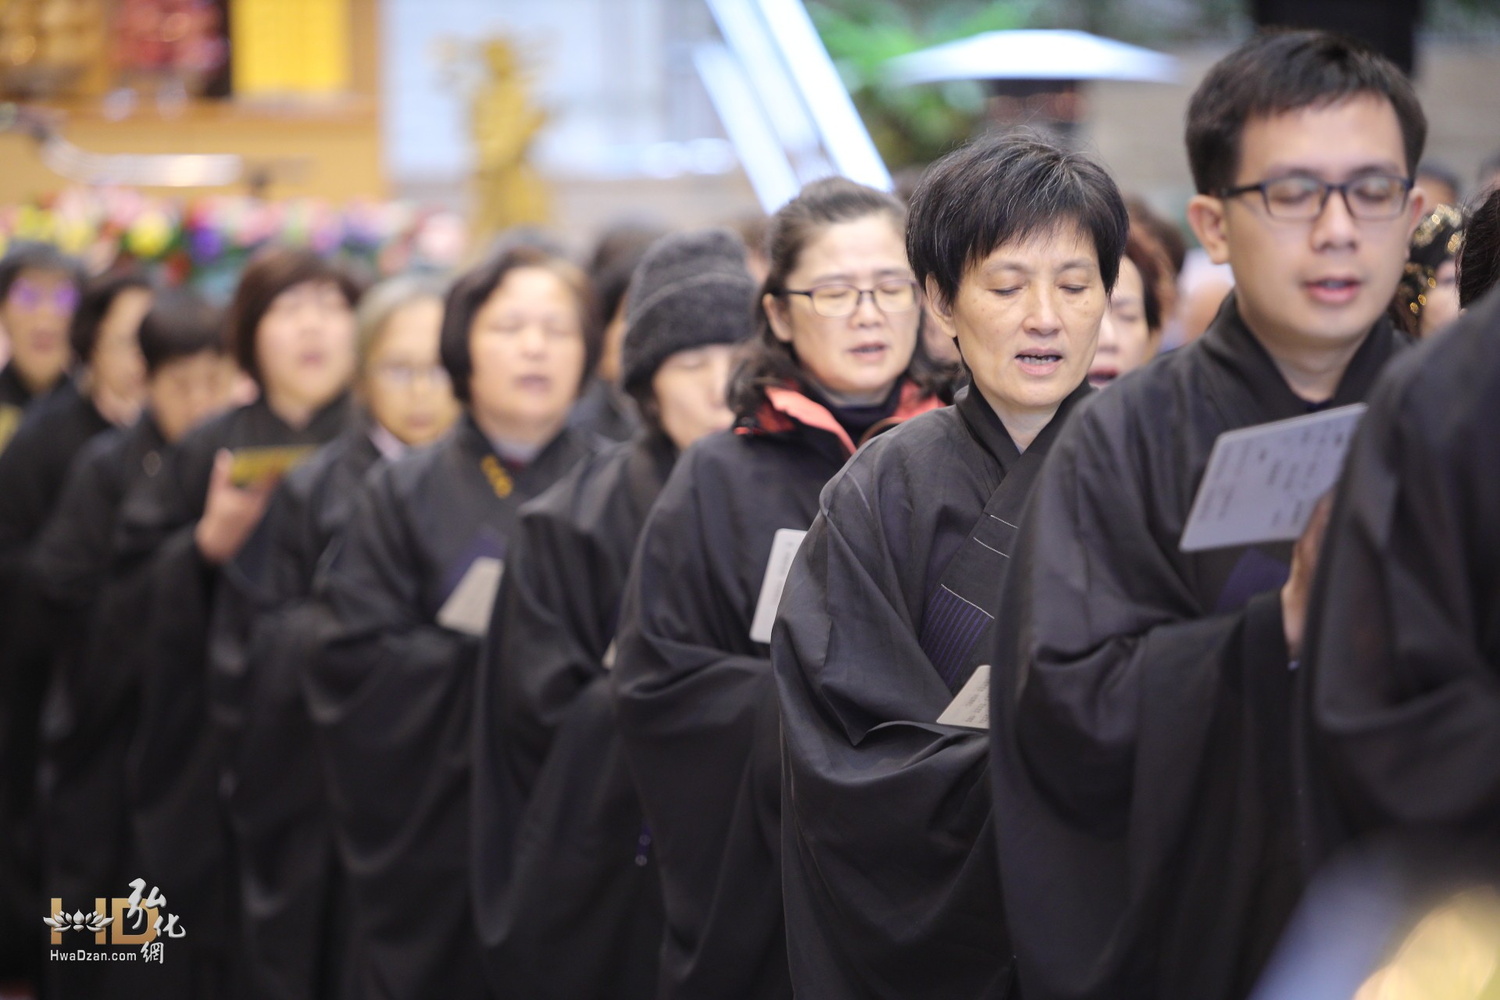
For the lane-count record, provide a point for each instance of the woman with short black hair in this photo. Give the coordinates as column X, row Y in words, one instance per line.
column 299, row 939
column 566, row 894
column 291, row 328
column 411, row 584
column 886, row 631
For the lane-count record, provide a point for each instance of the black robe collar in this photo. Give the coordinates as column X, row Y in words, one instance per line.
column 1238, row 355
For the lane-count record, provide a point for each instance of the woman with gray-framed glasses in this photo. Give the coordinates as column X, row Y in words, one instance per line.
column 837, row 300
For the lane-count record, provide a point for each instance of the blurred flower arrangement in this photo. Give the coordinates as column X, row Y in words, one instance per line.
column 204, row 242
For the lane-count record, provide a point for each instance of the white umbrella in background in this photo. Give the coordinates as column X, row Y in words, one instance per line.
column 1033, row 55
column 1034, row 77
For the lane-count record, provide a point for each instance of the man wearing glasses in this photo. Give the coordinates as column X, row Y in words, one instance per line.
column 1144, row 805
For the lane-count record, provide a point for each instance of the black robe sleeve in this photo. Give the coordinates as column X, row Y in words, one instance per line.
column 266, row 629
column 892, row 887
column 1400, row 725
column 697, row 708
column 32, row 471
column 88, row 843
column 568, row 904
column 392, row 709
column 1130, row 725
column 90, row 703
column 172, row 767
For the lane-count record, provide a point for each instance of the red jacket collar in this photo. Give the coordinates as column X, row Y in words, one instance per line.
column 785, row 408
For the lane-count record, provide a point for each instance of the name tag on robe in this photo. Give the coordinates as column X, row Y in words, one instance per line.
column 783, row 550
column 1262, row 482
column 468, row 608
column 970, row 708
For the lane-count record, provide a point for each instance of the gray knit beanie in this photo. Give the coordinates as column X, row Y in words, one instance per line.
column 690, row 290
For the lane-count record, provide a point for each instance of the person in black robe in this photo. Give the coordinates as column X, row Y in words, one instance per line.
column 1400, row 727
column 1142, row 700
column 567, row 901
column 102, row 335
column 836, row 358
column 39, row 289
column 889, row 608
column 91, row 704
column 265, row 631
column 412, row 586
column 291, row 328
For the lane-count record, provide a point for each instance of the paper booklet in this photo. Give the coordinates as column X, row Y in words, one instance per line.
column 1263, row 482
column 783, row 551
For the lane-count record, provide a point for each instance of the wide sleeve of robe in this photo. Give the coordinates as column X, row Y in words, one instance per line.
column 265, row 630
column 172, row 766
column 1136, row 734
column 891, row 881
column 1401, row 697
column 698, row 713
column 565, row 902
column 392, row 705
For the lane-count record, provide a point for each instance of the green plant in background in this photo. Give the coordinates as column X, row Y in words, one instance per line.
column 911, row 125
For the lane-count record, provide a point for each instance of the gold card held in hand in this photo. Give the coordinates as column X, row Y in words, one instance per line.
column 254, row 467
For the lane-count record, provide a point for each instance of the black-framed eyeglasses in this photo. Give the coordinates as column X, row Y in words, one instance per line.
column 1369, row 198
column 894, row 295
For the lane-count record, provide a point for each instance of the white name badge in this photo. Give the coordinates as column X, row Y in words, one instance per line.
column 971, row 707
column 468, row 608
column 783, row 550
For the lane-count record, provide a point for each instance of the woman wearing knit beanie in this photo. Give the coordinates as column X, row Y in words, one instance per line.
column 566, row 893
column 836, row 358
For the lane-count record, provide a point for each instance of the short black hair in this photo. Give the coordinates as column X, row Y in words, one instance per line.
column 473, row 289
column 99, row 295
column 1282, row 71
column 180, row 324
column 269, row 273
column 31, row 256
column 1005, row 188
column 1479, row 260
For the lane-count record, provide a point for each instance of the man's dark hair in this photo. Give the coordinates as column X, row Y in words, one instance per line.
column 1479, row 260
column 1004, row 189
column 180, row 324
column 268, row 274
column 1283, row 71
column 99, row 295
column 30, row 256
column 473, row 289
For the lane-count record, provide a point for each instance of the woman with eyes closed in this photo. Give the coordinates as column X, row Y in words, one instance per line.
column 1142, row 298
column 886, row 627
column 411, row 585
column 836, row 359
column 266, row 631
